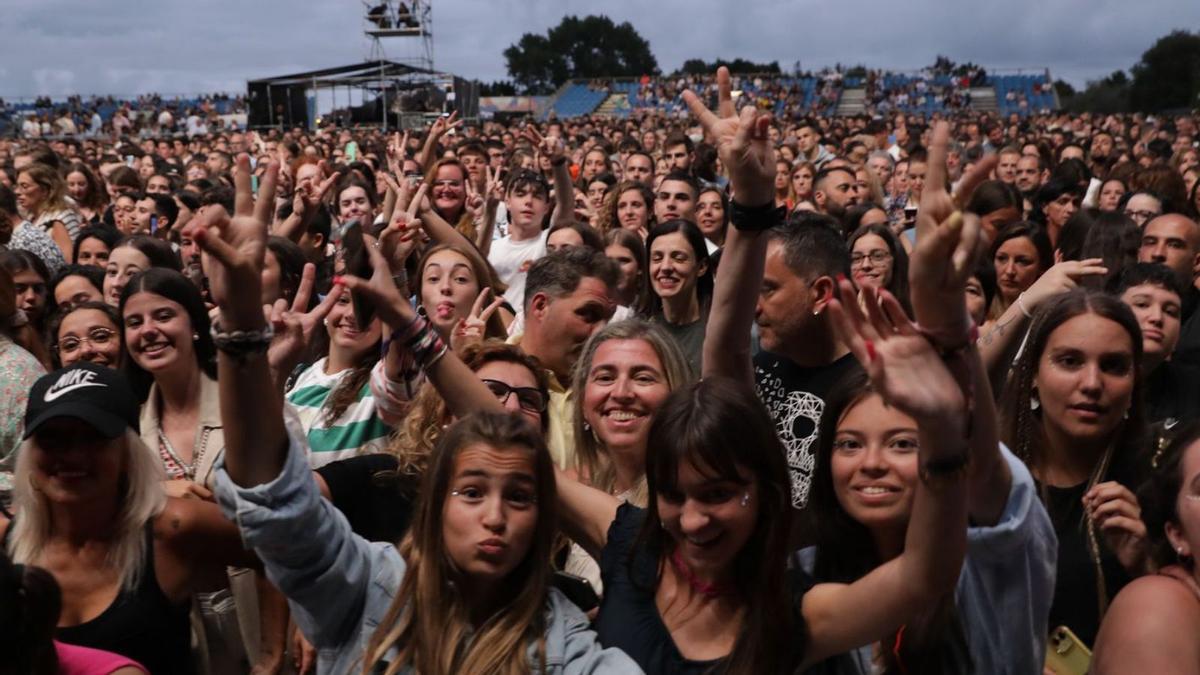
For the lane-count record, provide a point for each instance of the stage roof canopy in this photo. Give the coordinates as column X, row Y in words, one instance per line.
column 358, row 73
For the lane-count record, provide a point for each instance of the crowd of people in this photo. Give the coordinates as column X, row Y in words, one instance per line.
column 724, row 393
column 148, row 115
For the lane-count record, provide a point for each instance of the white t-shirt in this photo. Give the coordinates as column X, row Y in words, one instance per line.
column 512, row 259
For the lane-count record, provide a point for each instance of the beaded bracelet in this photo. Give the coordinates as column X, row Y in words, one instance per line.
column 240, row 343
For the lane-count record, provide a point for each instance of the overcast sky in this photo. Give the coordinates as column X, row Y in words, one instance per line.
column 58, row 47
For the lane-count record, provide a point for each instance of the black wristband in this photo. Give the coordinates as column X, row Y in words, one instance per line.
column 558, row 161
column 756, row 218
column 946, row 466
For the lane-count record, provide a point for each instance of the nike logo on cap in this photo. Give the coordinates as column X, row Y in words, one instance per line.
column 69, row 382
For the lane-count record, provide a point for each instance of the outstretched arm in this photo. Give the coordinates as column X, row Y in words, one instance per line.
column 750, row 160
column 912, row 378
column 948, row 244
column 564, row 192
column 251, row 406
column 440, row 127
column 414, row 338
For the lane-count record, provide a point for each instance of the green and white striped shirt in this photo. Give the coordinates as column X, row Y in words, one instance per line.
column 359, row 430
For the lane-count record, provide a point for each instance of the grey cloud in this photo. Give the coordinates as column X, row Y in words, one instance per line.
column 58, row 47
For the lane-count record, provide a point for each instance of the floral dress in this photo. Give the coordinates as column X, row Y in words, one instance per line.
column 18, row 371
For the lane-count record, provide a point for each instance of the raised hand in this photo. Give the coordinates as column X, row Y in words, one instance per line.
column 1115, row 510
column 1061, row 278
column 936, row 201
column 470, row 331
column 903, row 366
column 444, row 125
column 550, row 147
column 397, row 152
column 308, row 197
column 949, row 242
column 295, row 324
column 494, row 186
column 741, row 142
column 475, row 202
column 380, row 289
column 403, row 233
column 233, row 248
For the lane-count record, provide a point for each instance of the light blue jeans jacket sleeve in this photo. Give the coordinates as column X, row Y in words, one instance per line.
column 340, row 586
column 309, row 550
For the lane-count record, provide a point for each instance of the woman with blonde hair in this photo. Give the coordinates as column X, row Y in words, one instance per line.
column 625, row 372
column 91, row 510
column 42, row 196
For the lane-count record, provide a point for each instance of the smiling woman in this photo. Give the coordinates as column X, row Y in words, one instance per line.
column 682, row 285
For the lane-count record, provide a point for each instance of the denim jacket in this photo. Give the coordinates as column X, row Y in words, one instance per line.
column 340, row 586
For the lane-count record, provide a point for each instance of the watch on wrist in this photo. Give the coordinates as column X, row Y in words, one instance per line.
column 756, row 218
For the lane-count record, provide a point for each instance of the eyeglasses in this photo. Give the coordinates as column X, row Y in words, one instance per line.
column 876, row 258
column 1141, row 216
column 98, row 337
column 529, row 398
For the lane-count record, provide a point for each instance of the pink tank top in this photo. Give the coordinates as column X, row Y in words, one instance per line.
column 73, row 660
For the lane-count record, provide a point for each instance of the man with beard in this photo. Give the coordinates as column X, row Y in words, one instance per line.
column 834, row 191
column 801, row 357
column 1101, row 154
column 568, row 297
column 1031, row 174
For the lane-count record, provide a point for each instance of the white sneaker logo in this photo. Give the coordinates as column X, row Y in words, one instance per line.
column 69, row 382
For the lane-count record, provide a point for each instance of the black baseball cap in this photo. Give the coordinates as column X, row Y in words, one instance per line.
column 95, row 394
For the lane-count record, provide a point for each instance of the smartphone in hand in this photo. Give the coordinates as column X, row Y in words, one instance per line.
column 358, row 263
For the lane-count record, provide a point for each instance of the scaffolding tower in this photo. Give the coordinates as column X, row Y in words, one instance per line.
column 405, row 25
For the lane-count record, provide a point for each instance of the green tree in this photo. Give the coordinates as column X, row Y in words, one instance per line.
column 497, row 88
column 736, row 66
column 578, row 48
column 1168, row 76
column 1109, row 95
column 1064, row 89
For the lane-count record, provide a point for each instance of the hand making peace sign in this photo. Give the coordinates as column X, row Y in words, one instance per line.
column 741, row 142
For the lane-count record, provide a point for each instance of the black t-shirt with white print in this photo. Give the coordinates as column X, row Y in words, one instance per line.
column 795, row 396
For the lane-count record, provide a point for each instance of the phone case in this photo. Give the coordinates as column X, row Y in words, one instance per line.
column 1066, row 654
column 358, row 263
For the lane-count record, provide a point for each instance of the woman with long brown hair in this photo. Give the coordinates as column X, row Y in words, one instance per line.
column 630, row 206
column 88, row 192
column 1073, row 412
column 473, row 572
column 448, row 195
